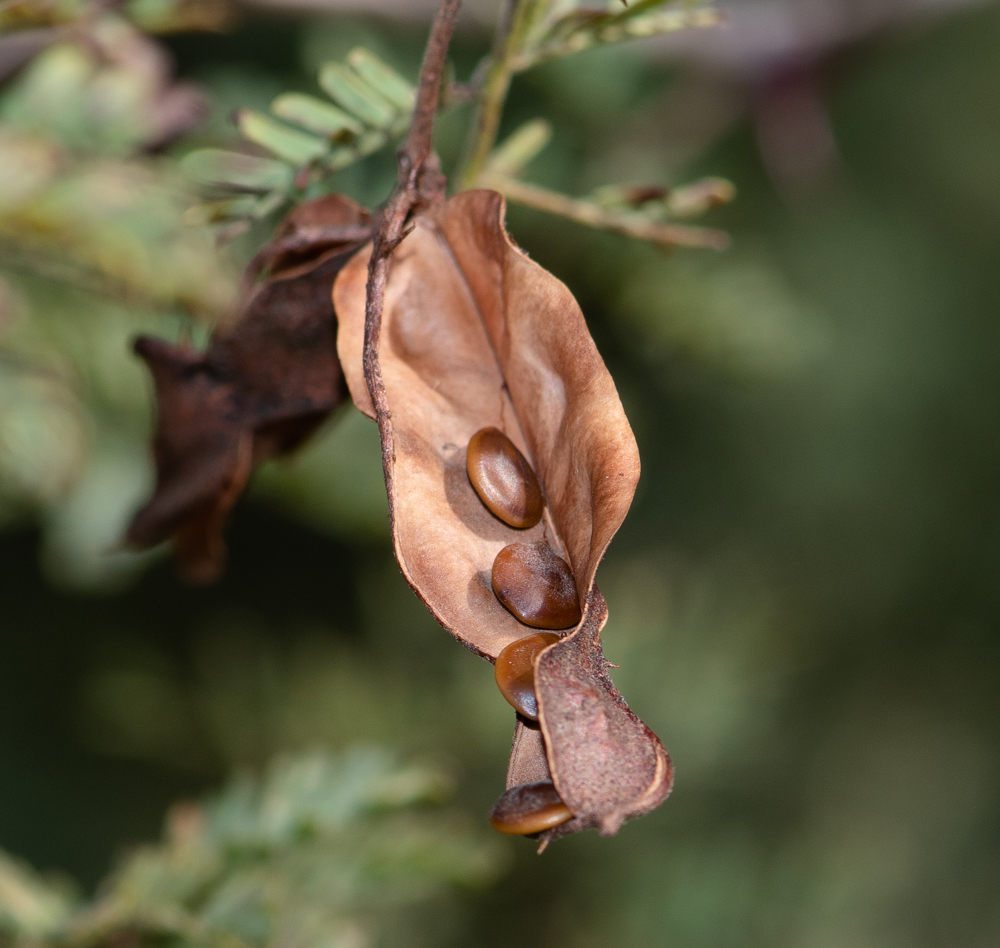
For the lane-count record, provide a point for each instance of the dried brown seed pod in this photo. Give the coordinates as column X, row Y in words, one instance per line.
column 474, row 333
column 503, row 478
column 265, row 383
column 606, row 764
column 536, row 585
column 528, row 809
column 515, row 672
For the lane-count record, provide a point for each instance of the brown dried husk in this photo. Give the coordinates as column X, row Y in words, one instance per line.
column 262, row 387
column 476, row 334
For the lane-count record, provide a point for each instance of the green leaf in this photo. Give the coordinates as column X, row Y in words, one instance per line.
column 298, row 148
column 348, row 90
column 270, row 202
column 366, row 144
column 520, row 148
column 219, row 212
column 31, row 907
column 232, row 209
column 230, row 168
column 316, row 115
column 383, row 78
column 698, row 197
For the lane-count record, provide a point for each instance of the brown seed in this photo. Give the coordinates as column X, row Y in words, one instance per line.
column 503, row 478
column 528, row 809
column 515, row 672
column 536, row 585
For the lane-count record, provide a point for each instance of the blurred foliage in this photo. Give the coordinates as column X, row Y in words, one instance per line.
column 153, row 16
column 803, row 598
column 315, row 140
column 93, row 250
column 321, row 852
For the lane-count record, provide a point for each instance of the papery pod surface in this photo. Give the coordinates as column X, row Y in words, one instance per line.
column 476, row 334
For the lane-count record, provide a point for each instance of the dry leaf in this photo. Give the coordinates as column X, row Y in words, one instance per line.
column 475, row 334
column 261, row 388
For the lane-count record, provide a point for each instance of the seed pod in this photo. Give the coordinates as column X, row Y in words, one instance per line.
column 262, row 386
column 536, row 586
column 606, row 764
column 503, row 478
column 528, row 809
column 475, row 333
column 515, row 672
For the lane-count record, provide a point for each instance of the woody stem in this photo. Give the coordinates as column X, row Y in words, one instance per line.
column 418, row 182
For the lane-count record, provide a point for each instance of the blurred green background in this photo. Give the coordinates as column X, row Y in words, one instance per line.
column 803, row 598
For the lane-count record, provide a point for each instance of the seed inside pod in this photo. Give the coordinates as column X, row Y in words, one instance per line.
column 529, row 809
column 515, row 672
column 503, row 478
column 536, row 585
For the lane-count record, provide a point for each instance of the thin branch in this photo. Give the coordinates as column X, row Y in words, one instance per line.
column 419, row 182
column 583, row 212
column 496, row 84
column 616, row 32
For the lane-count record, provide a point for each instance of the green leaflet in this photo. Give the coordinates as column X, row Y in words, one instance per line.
column 373, row 104
column 367, row 144
column 348, row 90
column 317, row 116
column 293, row 146
column 520, row 147
column 31, row 906
column 245, row 172
column 383, row 78
column 230, row 209
column 636, row 9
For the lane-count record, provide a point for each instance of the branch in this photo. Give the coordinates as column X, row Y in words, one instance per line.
column 621, row 29
column 496, row 83
column 419, row 182
column 583, row 212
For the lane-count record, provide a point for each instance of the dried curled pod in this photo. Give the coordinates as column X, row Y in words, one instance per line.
column 266, row 382
column 529, row 809
column 514, row 671
column 476, row 335
column 503, row 479
column 536, row 586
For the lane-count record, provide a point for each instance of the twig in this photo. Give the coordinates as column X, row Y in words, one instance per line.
column 419, row 182
column 583, row 212
column 668, row 22
column 496, row 83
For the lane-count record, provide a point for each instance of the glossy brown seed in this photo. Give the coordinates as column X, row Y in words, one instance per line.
column 515, row 672
column 529, row 809
column 536, row 586
column 503, row 478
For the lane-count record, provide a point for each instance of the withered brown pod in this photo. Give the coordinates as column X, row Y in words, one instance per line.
column 266, row 382
column 475, row 334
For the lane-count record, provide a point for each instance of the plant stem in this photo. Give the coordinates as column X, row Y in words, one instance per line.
column 624, row 28
column 583, row 212
column 494, row 90
column 419, row 181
